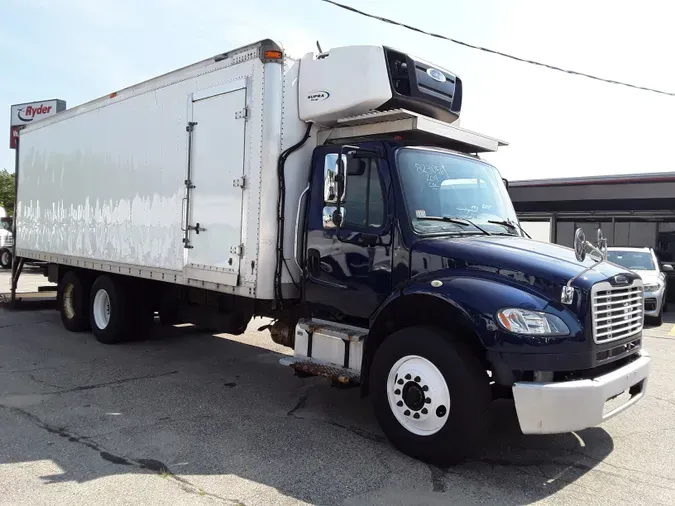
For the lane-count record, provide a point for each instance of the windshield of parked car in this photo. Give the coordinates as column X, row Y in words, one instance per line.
column 439, row 184
column 633, row 260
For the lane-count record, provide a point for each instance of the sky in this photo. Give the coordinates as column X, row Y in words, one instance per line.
column 557, row 125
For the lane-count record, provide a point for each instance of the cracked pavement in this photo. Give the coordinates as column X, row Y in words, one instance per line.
column 185, row 417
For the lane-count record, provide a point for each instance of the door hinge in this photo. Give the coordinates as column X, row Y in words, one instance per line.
column 237, row 250
column 190, row 126
column 242, row 114
column 239, row 183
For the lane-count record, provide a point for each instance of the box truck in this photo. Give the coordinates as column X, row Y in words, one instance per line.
column 337, row 195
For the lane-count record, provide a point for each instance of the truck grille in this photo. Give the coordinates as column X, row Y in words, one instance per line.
column 618, row 312
column 6, row 241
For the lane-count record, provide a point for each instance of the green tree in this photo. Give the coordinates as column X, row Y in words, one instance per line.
column 7, row 191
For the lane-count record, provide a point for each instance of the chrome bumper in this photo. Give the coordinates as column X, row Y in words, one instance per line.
column 549, row 408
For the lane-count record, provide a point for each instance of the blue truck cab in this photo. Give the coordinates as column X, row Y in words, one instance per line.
column 420, row 285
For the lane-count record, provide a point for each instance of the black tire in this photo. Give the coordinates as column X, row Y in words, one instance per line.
column 120, row 323
column 5, row 258
column 468, row 418
column 658, row 319
column 72, row 297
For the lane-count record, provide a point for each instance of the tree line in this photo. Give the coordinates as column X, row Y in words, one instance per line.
column 7, row 191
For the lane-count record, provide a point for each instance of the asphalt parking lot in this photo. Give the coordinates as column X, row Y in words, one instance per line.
column 190, row 418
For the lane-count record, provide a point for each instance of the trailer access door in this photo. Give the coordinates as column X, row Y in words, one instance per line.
column 213, row 207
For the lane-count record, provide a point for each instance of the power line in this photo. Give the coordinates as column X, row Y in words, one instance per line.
column 498, row 53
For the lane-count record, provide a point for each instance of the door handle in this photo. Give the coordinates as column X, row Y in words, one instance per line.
column 368, row 240
column 313, row 262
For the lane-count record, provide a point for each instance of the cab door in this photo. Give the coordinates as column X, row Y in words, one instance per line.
column 348, row 264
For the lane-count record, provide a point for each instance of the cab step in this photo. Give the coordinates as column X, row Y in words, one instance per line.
column 329, row 349
column 316, row 368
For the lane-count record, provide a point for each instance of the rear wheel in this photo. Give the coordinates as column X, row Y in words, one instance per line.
column 73, row 301
column 111, row 314
column 5, row 258
column 431, row 395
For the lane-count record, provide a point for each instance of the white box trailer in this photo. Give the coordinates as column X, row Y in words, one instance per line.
column 337, row 195
column 173, row 179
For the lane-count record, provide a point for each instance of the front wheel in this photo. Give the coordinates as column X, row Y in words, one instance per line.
column 431, row 395
column 5, row 258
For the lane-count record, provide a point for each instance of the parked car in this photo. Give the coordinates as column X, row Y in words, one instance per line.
column 643, row 261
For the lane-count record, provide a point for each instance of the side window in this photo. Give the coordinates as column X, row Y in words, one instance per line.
column 364, row 203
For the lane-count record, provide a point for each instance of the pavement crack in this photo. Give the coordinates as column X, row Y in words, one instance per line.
column 10, row 325
column 154, row 466
column 669, row 401
column 376, row 438
column 299, row 405
column 110, row 383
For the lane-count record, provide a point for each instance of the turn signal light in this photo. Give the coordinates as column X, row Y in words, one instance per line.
column 273, row 55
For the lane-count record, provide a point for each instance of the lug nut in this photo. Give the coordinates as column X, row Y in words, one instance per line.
column 417, row 379
column 416, row 416
column 425, row 411
column 397, row 392
column 425, row 388
column 406, row 412
column 427, row 400
column 407, row 376
column 400, row 382
column 440, row 411
column 399, row 404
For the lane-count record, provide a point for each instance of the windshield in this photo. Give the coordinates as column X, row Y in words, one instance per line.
column 4, row 225
column 440, row 184
column 633, row 260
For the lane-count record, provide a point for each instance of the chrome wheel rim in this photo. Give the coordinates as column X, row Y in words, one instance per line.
column 418, row 395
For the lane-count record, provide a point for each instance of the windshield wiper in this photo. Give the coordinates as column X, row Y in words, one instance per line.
column 511, row 225
column 458, row 221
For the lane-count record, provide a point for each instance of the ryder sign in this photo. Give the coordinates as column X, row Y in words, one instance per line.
column 25, row 114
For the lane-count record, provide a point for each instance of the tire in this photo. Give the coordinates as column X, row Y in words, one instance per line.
column 5, row 258
column 72, row 297
column 444, row 435
column 110, row 313
column 658, row 319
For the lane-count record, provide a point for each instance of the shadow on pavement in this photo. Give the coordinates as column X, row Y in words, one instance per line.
column 204, row 412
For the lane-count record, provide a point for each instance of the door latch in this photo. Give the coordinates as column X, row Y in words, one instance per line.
column 197, row 228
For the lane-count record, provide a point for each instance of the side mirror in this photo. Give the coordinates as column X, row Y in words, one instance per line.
column 580, row 245
column 667, row 268
column 334, row 185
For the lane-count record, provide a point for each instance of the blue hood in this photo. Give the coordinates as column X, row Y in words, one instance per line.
column 540, row 265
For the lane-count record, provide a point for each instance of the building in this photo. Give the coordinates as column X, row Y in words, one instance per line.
column 631, row 210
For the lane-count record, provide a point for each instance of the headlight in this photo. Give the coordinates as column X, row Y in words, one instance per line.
column 652, row 288
column 524, row 321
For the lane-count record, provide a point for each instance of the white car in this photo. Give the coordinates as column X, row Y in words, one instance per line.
column 643, row 261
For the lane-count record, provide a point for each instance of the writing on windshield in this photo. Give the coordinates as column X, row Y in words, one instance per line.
column 443, row 184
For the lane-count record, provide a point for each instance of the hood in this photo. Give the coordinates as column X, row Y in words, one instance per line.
column 648, row 276
column 523, row 260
